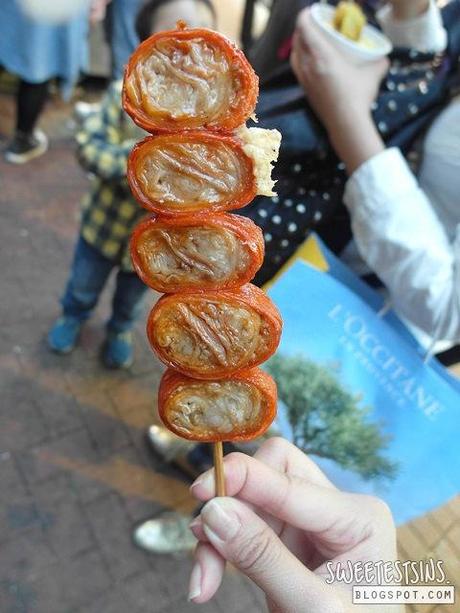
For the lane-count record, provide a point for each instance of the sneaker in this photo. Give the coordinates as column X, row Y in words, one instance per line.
column 26, row 147
column 166, row 444
column 64, row 334
column 169, row 533
column 82, row 110
column 118, row 350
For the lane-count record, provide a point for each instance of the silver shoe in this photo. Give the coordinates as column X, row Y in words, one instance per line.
column 82, row 110
column 166, row 444
column 169, row 533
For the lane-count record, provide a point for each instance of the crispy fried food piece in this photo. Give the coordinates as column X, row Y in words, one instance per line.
column 236, row 409
column 197, row 252
column 349, row 20
column 173, row 174
column 212, row 335
column 184, row 79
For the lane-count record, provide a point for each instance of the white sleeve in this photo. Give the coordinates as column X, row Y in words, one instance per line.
column 423, row 33
column 400, row 237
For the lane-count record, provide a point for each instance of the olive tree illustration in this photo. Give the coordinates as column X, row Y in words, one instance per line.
column 327, row 420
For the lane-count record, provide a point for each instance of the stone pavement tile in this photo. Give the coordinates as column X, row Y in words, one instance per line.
column 138, row 507
column 114, row 601
column 409, row 540
column 24, row 562
column 28, row 333
column 108, row 433
column 15, row 307
column 13, row 388
column 17, row 508
column 427, row 530
column 25, row 554
column 454, row 506
column 444, row 517
column 13, row 486
column 233, row 597
column 145, row 361
column 145, row 593
column 135, row 391
column 61, row 412
column 183, row 606
column 19, row 515
column 175, row 571
column 87, row 486
column 22, row 424
column 240, row 593
column 45, row 461
column 454, row 538
column 83, row 368
column 444, row 551
column 65, row 524
column 64, row 587
column 112, row 530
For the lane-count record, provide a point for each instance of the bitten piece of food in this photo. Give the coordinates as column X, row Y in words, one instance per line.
column 176, row 174
column 349, row 20
column 214, row 334
column 237, row 409
column 197, row 252
column 184, row 79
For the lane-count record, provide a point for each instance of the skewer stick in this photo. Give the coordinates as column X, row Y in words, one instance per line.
column 218, row 453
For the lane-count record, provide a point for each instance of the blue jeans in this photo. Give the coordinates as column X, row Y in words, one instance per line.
column 121, row 32
column 89, row 273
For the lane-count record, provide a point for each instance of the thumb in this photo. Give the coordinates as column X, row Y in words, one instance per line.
column 242, row 538
column 383, row 67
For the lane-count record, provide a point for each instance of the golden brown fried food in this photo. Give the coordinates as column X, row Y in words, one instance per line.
column 349, row 20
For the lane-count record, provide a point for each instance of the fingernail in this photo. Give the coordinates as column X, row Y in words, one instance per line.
column 194, row 589
column 220, row 520
column 194, row 523
column 194, row 527
column 206, row 480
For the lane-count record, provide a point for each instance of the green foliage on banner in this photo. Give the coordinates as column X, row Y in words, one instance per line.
column 327, row 420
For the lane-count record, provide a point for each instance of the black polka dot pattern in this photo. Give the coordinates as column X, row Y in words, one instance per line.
column 310, row 179
column 286, row 219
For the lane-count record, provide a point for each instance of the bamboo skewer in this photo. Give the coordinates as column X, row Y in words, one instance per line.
column 218, row 453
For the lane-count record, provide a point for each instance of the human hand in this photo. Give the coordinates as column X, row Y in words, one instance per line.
column 284, row 522
column 334, row 86
column 339, row 92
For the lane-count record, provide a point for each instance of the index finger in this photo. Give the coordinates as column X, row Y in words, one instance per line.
column 285, row 457
column 296, row 501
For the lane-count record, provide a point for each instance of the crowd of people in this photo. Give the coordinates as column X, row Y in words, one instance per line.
column 345, row 129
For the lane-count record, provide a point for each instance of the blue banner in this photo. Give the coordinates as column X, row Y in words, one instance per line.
column 356, row 394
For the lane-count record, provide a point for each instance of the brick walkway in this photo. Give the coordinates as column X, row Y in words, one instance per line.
column 75, row 472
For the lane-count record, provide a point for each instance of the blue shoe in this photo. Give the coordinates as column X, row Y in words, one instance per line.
column 63, row 336
column 118, row 350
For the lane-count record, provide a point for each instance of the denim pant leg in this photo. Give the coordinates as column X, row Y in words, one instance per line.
column 88, row 276
column 123, row 35
column 127, row 301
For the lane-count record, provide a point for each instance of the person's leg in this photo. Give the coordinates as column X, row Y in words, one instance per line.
column 126, row 308
column 30, row 100
column 127, row 301
column 88, row 275
column 124, row 38
column 28, row 143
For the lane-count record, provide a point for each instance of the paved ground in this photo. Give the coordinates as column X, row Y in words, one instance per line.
column 75, row 472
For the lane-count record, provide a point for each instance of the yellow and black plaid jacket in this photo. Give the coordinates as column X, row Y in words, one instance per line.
column 109, row 212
